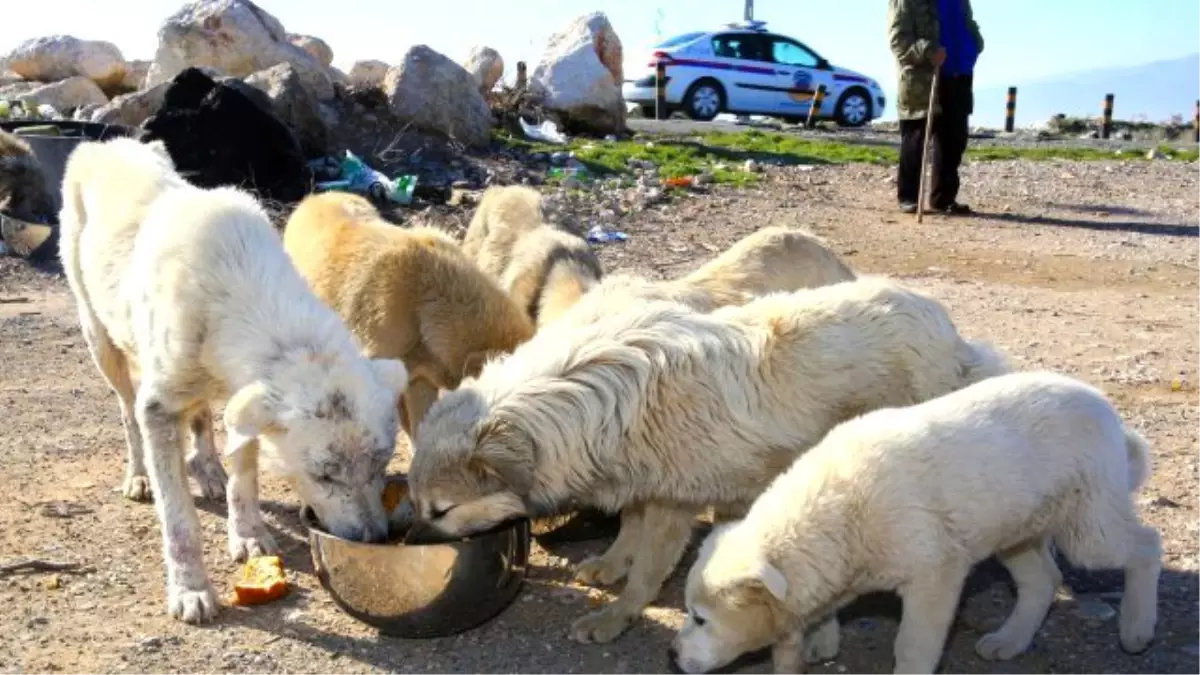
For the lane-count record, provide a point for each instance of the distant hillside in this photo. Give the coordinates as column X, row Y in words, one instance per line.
column 1151, row 91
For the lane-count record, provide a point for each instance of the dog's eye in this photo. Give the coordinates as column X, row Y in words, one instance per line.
column 325, row 479
column 699, row 620
column 435, row 512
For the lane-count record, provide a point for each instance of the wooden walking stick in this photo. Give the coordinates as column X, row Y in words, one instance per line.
column 937, row 71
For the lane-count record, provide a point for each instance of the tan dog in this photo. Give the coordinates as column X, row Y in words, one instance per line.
column 409, row 294
column 544, row 269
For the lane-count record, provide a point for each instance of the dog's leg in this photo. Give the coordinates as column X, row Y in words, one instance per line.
column 614, row 564
column 1035, row 593
column 420, row 395
column 113, row 366
column 1139, row 604
column 203, row 462
column 190, row 596
column 823, row 642
column 929, row 605
column 248, row 535
column 665, row 533
column 786, row 652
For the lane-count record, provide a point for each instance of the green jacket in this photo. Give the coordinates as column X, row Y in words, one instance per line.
column 913, row 34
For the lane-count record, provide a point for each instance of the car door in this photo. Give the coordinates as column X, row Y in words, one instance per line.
column 742, row 60
column 798, row 73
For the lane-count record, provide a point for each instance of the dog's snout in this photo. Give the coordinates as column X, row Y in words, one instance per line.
column 375, row 534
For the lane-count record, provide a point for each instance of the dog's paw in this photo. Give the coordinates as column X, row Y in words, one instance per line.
column 998, row 646
column 601, row 571
column 599, row 627
column 137, row 488
column 211, row 476
column 191, row 605
column 1136, row 638
column 242, row 549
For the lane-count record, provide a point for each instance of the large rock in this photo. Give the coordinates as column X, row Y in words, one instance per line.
column 315, row 46
column 58, row 57
column 235, row 37
column 217, row 135
column 438, row 95
column 580, row 75
column 295, row 105
column 486, row 66
column 65, row 95
column 368, row 73
column 131, row 109
column 135, row 74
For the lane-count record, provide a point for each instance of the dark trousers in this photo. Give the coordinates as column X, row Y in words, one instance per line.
column 949, row 142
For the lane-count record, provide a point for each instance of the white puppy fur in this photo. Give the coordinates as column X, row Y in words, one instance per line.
column 659, row 411
column 186, row 298
column 909, row 499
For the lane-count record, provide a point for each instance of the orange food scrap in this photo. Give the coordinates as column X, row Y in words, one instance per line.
column 393, row 494
column 263, row 581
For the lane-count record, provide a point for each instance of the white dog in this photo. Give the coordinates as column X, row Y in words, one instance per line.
column 186, row 298
column 908, row 499
column 660, row 410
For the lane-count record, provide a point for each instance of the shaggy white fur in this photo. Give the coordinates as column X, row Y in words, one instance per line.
column 908, row 499
column 659, row 410
column 186, row 299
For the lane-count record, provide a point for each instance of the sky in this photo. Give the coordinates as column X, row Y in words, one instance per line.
column 1026, row 40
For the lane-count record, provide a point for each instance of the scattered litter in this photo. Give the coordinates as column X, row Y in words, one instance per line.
column 1094, row 610
column 39, row 130
column 1178, row 383
column 356, row 176
column 680, row 182
column 58, row 508
column 5, row 108
column 599, row 235
column 47, row 112
column 547, row 132
column 750, row 166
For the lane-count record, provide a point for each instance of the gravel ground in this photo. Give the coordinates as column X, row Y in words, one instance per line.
column 1086, row 268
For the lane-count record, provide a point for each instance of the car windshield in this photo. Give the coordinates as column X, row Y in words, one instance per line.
column 679, row 40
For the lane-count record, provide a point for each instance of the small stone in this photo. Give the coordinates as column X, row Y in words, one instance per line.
column 1094, row 610
column 52, row 583
column 750, row 166
column 704, row 178
column 150, row 644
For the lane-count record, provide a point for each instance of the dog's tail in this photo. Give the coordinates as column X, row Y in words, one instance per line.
column 1140, row 462
column 979, row 360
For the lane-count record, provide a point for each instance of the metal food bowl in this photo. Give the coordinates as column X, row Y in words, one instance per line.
column 422, row 591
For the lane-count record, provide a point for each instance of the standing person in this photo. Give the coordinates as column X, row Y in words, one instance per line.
column 925, row 34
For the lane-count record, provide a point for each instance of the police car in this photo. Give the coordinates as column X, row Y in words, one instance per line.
column 747, row 69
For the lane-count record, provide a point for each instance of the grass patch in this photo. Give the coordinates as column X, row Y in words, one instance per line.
column 724, row 154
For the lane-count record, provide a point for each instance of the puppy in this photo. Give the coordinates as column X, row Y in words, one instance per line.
column 544, row 269
column 659, row 411
column 908, row 499
column 773, row 259
column 186, row 299
column 407, row 294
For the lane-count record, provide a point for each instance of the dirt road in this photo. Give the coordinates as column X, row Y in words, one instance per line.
column 1089, row 269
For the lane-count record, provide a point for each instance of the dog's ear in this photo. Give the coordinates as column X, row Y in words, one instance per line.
column 247, row 415
column 504, row 451
column 762, row 574
column 392, row 373
column 475, row 361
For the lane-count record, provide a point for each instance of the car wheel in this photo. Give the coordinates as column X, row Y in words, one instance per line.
column 704, row 100
column 853, row 108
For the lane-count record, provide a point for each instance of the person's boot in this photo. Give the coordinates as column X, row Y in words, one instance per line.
column 908, row 207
